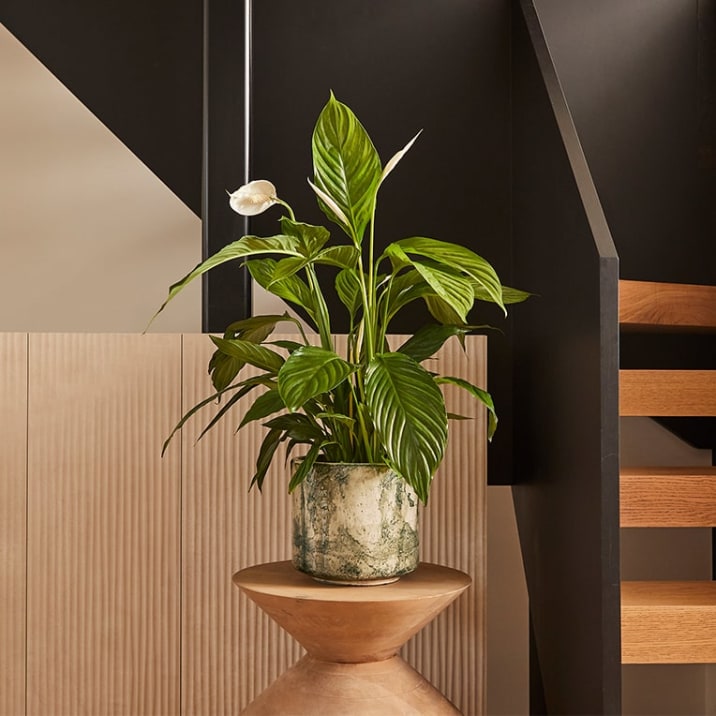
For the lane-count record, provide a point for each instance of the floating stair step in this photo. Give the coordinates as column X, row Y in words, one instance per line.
column 668, row 622
column 645, row 305
column 655, row 393
column 668, row 497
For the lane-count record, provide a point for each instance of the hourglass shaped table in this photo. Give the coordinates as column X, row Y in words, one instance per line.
column 352, row 636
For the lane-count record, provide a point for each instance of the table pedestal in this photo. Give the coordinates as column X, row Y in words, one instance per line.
column 352, row 636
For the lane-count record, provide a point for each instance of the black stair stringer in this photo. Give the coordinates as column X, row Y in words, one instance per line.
column 136, row 65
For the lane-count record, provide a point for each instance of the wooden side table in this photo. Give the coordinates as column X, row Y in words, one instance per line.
column 352, row 636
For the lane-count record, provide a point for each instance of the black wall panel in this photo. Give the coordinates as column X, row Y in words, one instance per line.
column 402, row 66
column 639, row 79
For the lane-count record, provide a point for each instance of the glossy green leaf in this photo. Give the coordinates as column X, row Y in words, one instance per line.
column 483, row 396
column 251, row 353
column 311, row 238
column 442, row 311
column 244, row 247
column 266, row 404
column 408, row 411
column 223, row 369
column 304, row 466
column 343, row 256
column 292, row 288
column 346, row 166
column 457, row 257
column 349, row 291
column 297, row 426
column 509, row 295
column 268, row 449
column 309, row 372
column 428, row 340
column 449, row 285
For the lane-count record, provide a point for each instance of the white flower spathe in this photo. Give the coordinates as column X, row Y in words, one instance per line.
column 253, row 198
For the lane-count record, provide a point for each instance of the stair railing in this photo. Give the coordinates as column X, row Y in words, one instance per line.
column 565, row 394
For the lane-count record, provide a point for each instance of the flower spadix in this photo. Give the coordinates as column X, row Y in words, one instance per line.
column 253, row 198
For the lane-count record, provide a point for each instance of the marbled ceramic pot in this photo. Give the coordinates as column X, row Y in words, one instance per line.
column 355, row 524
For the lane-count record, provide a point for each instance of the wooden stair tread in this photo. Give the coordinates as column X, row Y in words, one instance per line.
column 668, row 622
column 667, row 497
column 650, row 305
column 667, row 392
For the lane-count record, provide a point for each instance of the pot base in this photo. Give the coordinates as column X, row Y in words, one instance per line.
column 354, row 583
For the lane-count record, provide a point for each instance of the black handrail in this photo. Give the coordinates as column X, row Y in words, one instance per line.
column 565, row 394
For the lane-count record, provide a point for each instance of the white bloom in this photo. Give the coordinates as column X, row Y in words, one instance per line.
column 253, row 198
column 396, row 158
column 330, row 203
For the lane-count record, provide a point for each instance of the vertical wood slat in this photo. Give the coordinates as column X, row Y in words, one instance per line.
column 13, row 458
column 103, row 525
column 232, row 651
column 104, row 592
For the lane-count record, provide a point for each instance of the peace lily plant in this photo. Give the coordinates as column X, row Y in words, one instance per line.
column 371, row 405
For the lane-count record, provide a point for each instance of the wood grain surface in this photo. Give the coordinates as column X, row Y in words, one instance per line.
column 654, row 393
column 668, row 622
column 103, row 525
column 128, row 556
column 668, row 497
column 644, row 304
column 13, row 478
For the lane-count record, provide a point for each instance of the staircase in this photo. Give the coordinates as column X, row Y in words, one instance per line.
column 668, row 622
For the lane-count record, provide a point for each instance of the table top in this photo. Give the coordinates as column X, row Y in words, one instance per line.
column 282, row 579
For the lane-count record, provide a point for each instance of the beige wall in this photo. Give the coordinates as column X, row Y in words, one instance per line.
column 90, row 238
column 90, row 241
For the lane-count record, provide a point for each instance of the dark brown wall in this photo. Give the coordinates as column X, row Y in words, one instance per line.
column 638, row 77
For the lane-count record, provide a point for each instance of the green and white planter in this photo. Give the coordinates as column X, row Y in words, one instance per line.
column 355, row 524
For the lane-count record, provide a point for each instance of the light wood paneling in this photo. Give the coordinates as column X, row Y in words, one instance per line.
column 103, row 526
column 668, row 622
column 231, row 651
column 655, row 393
column 668, row 497
column 13, row 458
column 644, row 304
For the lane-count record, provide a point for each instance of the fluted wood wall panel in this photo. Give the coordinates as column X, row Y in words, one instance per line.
column 103, row 526
column 130, row 605
column 231, row 650
column 13, row 460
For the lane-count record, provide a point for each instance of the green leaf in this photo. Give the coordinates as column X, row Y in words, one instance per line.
column 442, row 311
column 408, row 411
column 346, row 166
column 449, row 285
column 343, row 256
column 403, row 289
column 291, row 289
column 309, row 372
column 290, row 346
column 509, row 295
column 223, row 369
column 349, row 291
column 251, row 353
column 266, row 453
column 304, row 467
column 285, row 268
column 266, row 404
column 455, row 256
column 483, row 396
column 256, row 328
column 245, row 246
column 298, row 427
column 428, row 340
column 227, row 406
column 312, row 238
